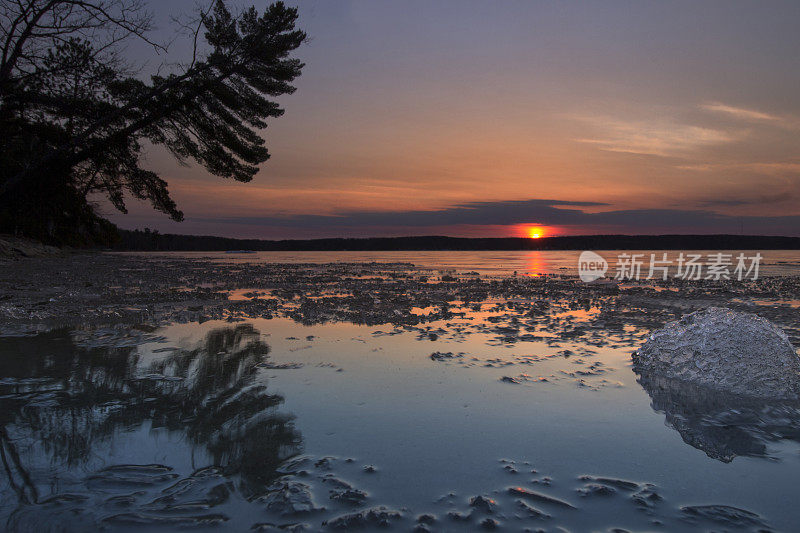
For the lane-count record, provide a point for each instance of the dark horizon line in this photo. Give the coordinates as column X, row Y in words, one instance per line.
column 137, row 240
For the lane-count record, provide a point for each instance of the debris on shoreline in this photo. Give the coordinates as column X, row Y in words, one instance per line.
column 153, row 290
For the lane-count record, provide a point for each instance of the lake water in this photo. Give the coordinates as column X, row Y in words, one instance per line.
column 499, row 263
column 490, row 417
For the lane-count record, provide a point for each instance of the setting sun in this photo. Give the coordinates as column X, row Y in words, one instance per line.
column 535, row 232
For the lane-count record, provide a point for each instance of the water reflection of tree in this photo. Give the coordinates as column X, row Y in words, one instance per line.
column 69, row 399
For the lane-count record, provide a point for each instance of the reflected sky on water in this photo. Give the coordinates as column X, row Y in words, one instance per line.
column 495, row 263
column 192, row 425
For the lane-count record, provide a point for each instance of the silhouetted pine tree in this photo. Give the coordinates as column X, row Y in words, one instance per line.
column 74, row 120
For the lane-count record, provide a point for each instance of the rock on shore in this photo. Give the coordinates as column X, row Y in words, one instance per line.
column 718, row 348
column 15, row 247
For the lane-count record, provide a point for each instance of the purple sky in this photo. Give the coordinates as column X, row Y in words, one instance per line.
column 483, row 118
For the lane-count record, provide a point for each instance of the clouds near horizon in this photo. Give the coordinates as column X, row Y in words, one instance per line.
column 674, row 115
column 560, row 217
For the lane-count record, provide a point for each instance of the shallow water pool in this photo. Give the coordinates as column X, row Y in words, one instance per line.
column 480, row 421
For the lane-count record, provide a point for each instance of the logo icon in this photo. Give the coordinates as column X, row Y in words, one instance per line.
column 591, row 266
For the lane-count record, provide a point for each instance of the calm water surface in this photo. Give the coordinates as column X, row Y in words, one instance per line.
column 192, row 425
column 489, row 263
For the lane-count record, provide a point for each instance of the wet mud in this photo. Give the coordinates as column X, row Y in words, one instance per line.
column 93, row 387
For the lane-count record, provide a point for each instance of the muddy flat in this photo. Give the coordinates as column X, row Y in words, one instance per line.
column 172, row 391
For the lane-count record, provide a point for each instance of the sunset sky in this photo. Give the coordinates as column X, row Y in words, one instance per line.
column 487, row 118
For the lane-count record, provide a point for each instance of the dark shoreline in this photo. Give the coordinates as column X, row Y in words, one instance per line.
column 151, row 241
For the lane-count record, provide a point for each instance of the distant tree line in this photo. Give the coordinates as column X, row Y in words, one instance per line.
column 75, row 119
column 152, row 240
